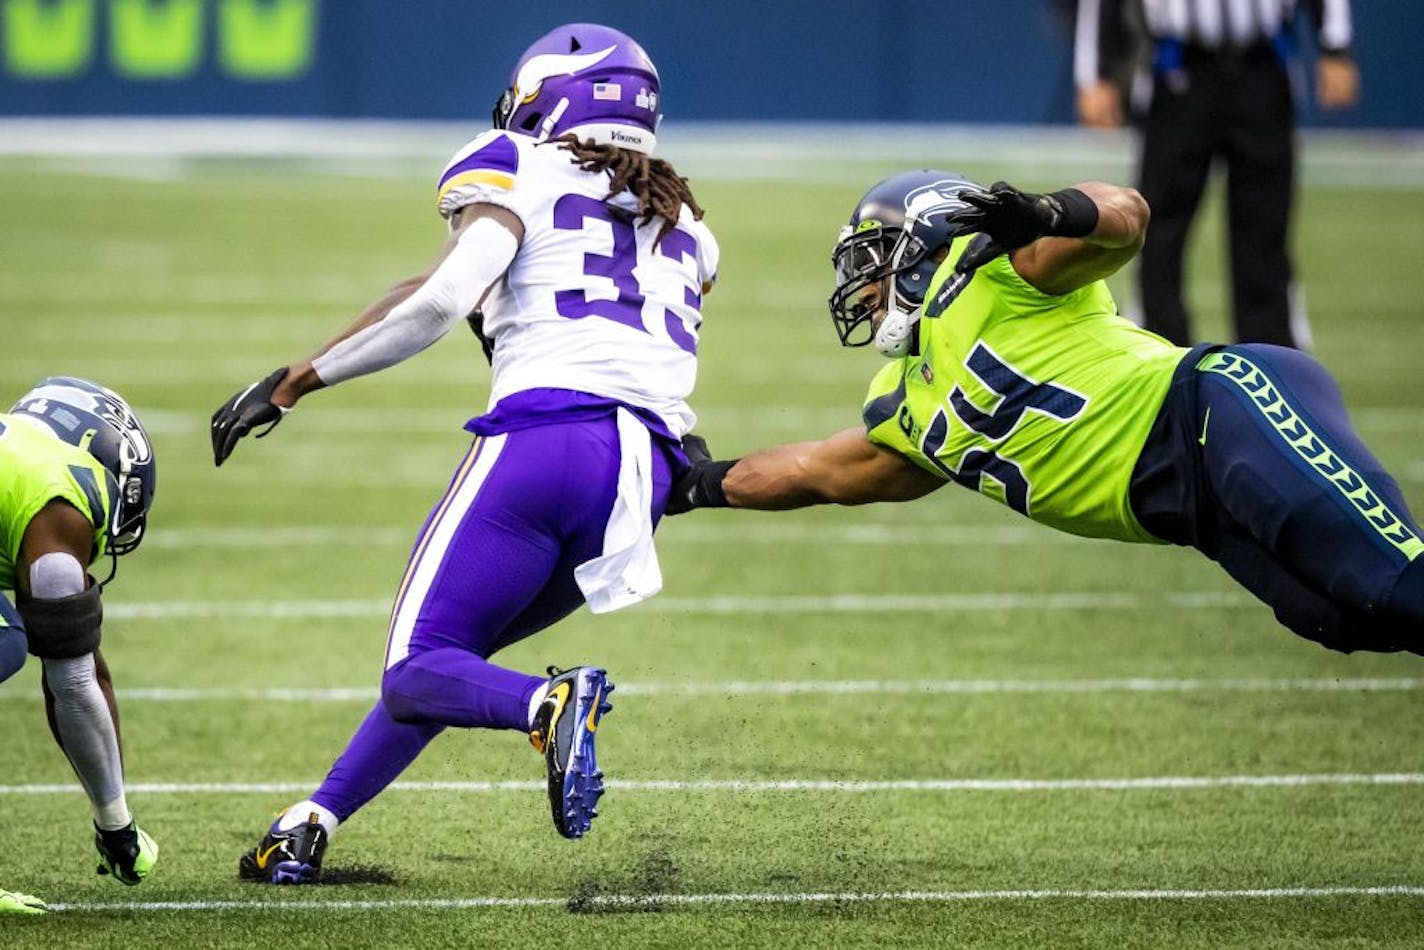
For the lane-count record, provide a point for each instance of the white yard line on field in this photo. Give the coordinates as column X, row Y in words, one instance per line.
column 159, row 148
column 615, row 901
column 760, row 532
column 771, row 604
column 447, row 417
column 747, row 786
column 366, row 694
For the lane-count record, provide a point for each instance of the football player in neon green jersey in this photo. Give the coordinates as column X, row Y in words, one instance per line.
column 1012, row 374
column 76, row 481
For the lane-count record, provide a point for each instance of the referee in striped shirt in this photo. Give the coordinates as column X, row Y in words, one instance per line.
column 1215, row 83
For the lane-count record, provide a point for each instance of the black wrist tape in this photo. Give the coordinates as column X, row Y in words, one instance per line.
column 709, row 484
column 1080, row 214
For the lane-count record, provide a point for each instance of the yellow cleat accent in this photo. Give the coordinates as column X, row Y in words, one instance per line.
column 557, row 696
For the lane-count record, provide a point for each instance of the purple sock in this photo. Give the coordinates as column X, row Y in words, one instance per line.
column 378, row 752
column 454, row 687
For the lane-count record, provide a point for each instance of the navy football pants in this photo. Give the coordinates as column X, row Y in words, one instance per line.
column 13, row 644
column 1252, row 460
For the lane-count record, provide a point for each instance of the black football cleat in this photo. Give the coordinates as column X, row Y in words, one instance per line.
column 128, row 853
column 563, row 730
column 286, row 857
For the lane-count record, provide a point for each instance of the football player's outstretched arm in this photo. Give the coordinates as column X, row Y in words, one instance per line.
column 843, row 469
column 405, row 333
column 413, row 315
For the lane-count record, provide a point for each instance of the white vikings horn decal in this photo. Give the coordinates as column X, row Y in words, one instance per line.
column 540, row 68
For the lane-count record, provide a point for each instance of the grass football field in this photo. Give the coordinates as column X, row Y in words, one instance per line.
column 933, row 724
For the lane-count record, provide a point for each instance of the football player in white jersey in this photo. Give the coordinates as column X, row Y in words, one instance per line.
column 581, row 261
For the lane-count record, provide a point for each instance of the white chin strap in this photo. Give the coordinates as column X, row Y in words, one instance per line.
column 895, row 336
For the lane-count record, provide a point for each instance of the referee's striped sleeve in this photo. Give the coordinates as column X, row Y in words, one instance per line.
column 1097, row 37
column 1334, row 29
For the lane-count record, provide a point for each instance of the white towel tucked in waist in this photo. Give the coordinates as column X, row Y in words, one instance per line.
column 628, row 570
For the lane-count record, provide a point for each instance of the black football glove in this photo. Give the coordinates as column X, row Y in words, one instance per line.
column 700, row 486
column 246, row 410
column 1012, row 218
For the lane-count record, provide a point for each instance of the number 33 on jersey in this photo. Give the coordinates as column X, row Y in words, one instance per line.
column 594, row 301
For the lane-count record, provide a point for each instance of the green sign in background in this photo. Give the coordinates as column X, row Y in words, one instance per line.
column 262, row 40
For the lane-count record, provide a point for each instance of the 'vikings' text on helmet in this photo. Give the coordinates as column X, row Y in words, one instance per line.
column 893, row 233
column 587, row 79
column 87, row 415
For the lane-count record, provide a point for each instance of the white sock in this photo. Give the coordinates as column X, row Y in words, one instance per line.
column 537, row 700
column 299, row 813
column 111, row 816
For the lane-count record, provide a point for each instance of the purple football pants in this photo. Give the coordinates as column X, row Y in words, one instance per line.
column 493, row 564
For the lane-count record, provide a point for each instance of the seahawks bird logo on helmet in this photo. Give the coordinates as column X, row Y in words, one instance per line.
column 586, row 79
column 97, row 419
column 884, row 258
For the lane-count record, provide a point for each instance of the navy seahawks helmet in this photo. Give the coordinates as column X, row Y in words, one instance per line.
column 893, row 233
column 87, row 415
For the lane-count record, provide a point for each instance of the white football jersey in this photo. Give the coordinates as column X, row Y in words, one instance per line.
column 593, row 301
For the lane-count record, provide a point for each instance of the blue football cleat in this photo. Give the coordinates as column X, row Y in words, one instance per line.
column 564, row 728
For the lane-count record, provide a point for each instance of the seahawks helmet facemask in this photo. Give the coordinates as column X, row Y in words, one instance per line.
column 884, row 258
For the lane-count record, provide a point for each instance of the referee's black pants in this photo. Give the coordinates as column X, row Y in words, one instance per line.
column 1236, row 107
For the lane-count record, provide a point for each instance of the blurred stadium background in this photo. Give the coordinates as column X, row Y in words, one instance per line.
column 934, row 722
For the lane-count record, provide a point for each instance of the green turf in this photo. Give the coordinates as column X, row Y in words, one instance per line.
column 179, row 290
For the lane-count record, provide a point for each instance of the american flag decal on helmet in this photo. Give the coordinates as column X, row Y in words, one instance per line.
column 608, row 91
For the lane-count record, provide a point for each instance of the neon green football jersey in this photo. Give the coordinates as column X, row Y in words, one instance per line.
column 1041, row 402
column 36, row 468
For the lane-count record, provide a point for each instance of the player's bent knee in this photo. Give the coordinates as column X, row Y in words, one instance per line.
column 1406, row 602
column 1393, row 626
column 13, row 647
column 65, row 627
column 397, row 694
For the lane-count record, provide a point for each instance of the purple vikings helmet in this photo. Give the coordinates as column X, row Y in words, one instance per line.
column 587, row 79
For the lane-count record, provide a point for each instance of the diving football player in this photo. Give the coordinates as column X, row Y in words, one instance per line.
column 1012, row 374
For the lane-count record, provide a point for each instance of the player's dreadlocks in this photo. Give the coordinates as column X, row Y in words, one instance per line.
column 660, row 190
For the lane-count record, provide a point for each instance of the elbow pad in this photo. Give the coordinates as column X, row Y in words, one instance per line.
column 65, row 627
